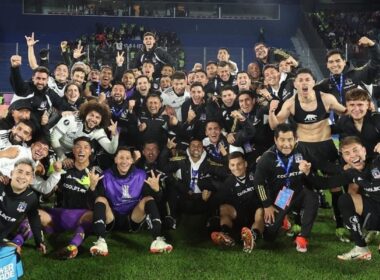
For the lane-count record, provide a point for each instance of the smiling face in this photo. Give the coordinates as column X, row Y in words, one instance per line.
column 254, row 70
column 105, row 77
column 197, row 93
column 148, row 69
column 261, row 52
column 72, row 93
column 153, row 103
column 143, row 86
column 21, row 177
column 93, row 119
column 118, row 93
column 272, row 77
column 228, row 97
column 335, row 64
column 40, row 80
column 246, row 103
column 237, row 166
column 224, row 73
column 285, row 142
column 61, row 73
column 82, row 151
column 195, row 149
column 128, row 80
column 357, row 109
column 21, row 133
column 213, row 132
column 39, row 150
column 243, row 81
column 354, row 155
column 149, row 42
column 123, row 161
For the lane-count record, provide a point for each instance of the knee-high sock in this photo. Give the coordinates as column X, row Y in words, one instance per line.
column 337, row 213
column 99, row 224
column 24, row 233
column 351, row 219
column 80, row 234
column 153, row 218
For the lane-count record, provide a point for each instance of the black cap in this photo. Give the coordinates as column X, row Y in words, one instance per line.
column 21, row 104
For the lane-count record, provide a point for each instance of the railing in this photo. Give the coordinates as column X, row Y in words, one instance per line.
column 121, row 8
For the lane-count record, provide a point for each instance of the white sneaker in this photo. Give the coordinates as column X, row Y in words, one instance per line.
column 100, row 248
column 357, row 253
column 160, row 246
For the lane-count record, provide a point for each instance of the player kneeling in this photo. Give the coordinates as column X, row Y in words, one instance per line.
column 125, row 199
column 240, row 207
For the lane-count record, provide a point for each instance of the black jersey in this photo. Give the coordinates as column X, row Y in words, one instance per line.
column 271, row 176
column 74, row 190
column 14, row 207
column 307, row 117
column 369, row 134
column 368, row 179
column 239, row 192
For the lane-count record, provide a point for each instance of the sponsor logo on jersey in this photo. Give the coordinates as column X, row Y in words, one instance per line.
column 310, row 118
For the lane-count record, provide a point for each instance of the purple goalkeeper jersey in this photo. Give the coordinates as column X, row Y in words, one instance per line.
column 124, row 192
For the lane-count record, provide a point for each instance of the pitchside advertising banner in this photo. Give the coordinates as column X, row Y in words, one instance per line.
column 10, row 263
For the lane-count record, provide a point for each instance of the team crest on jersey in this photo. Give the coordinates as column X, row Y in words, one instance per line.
column 22, row 207
column 2, row 196
column 43, row 105
column 251, row 176
column 375, row 173
column 298, row 157
column 125, row 192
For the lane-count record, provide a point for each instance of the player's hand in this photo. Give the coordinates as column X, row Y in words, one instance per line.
column 94, row 178
column 45, row 118
column 102, row 97
column 142, row 127
column 78, row 51
column 265, row 93
column 173, row 121
column 64, row 46
column 304, row 167
column 377, row 148
column 113, row 128
column 120, row 59
column 68, row 163
column 222, row 149
column 4, row 179
column 42, row 248
column 273, row 106
column 154, row 181
column 131, row 105
column 206, row 195
column 190, row 116
column 230, row 138
column 238, row 115
column 40, row 169
column 170, row 111
column 57, row 166
column 30, row 41
column 269, row 214
column 15, row 61
column 366, row 42
column 136, row 155
column 171, row 143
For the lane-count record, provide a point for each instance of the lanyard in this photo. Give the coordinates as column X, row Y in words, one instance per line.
column 286, row 168
column 339, row 87
column 194, row 177
column 215, row 151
